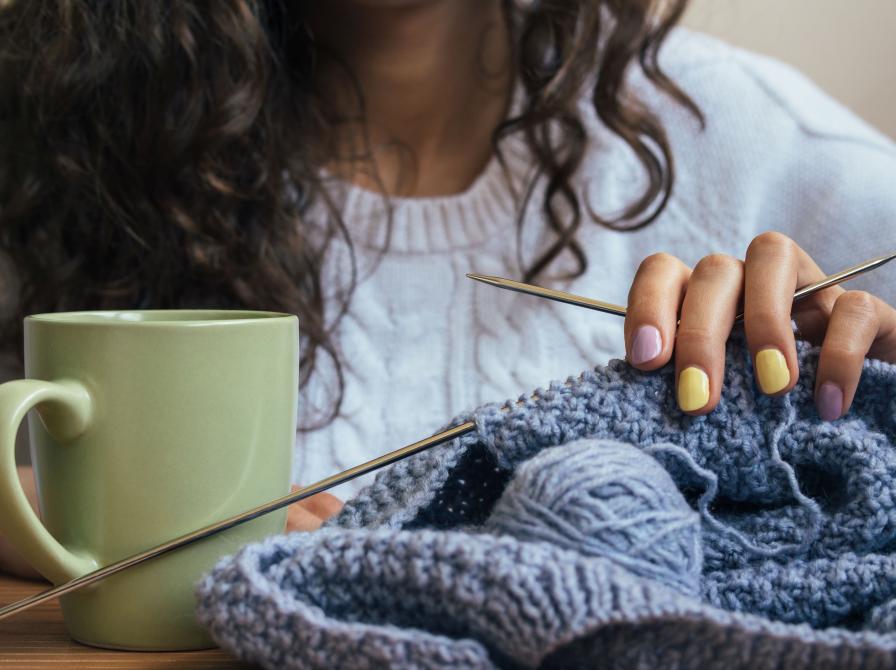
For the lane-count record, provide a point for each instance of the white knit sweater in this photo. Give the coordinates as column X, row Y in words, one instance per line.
column 422, row 342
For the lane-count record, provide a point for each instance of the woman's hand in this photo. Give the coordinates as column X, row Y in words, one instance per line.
column 310, row 513
column 306, row 514
column 849, row 325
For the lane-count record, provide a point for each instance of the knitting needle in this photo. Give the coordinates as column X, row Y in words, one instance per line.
column 189, row 538
column 618, row 310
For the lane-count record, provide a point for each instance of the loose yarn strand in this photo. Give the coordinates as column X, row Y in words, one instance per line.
column 712, row 486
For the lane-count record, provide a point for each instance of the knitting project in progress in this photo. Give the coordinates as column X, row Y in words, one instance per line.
column 592, row 524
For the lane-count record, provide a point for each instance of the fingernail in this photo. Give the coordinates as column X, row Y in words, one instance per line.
column 830, row 401
column 693, row 389
column 771, row 368
column 647, row 345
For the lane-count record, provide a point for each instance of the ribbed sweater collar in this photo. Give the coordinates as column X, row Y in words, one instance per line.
column 487, row 208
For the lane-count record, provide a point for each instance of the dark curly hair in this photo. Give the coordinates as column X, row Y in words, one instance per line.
column 157, row 154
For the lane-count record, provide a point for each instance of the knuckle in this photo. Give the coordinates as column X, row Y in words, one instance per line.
column 772, row 243
column 817, row 307
column 659, row 261
column 842, row 351
column 859, row 305
column 695, row 337
column 716, row 263
column 766, row 317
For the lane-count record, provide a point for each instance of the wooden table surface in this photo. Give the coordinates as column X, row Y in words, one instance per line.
column 37, row 639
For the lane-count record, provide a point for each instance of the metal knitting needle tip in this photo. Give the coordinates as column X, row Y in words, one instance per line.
column 843, row 275
column 618, row 310
column 189, row 538
column 551, row 294
column 836, row 278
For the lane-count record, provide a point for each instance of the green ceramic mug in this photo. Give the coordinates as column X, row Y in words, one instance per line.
column 149, row 424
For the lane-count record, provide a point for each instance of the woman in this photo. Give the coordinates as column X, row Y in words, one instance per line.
column 350, row 161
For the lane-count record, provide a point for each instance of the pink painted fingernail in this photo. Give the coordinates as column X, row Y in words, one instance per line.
column 830, row 401
column 647, row 345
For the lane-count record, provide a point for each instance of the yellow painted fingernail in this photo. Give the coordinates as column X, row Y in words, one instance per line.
column 693, row 389
column 772, row 371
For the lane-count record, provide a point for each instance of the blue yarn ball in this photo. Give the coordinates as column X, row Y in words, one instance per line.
column 608, row 499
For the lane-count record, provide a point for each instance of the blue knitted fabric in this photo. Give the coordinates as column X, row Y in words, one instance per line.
column 550, row 536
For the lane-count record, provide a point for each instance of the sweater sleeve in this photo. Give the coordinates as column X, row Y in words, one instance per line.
column 779, row 154
column 838, row 183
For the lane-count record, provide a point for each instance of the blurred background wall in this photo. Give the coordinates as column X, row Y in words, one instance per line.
column 848, row 47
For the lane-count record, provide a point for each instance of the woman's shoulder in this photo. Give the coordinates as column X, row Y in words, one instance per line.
column 764, row 120
column 766, row 125
column 729, row 82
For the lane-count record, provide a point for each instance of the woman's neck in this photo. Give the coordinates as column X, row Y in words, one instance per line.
column 435, row 79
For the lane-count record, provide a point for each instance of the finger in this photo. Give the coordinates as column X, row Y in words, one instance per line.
column 322, row 505
column 707, row 315
column 299, row 518
column 653, row 302
column 771, row 274
column 884, row 346
column 853, row 327
column 813, row 313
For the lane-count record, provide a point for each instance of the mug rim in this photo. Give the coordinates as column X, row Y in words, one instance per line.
column 189, row 317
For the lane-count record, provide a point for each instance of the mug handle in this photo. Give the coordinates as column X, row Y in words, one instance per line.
column 65, row 408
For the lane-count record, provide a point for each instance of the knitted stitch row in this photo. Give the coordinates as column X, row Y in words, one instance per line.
column 425, row 569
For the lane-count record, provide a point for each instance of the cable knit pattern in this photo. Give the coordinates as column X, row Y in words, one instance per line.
column 422, row 342
column 428, row 567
